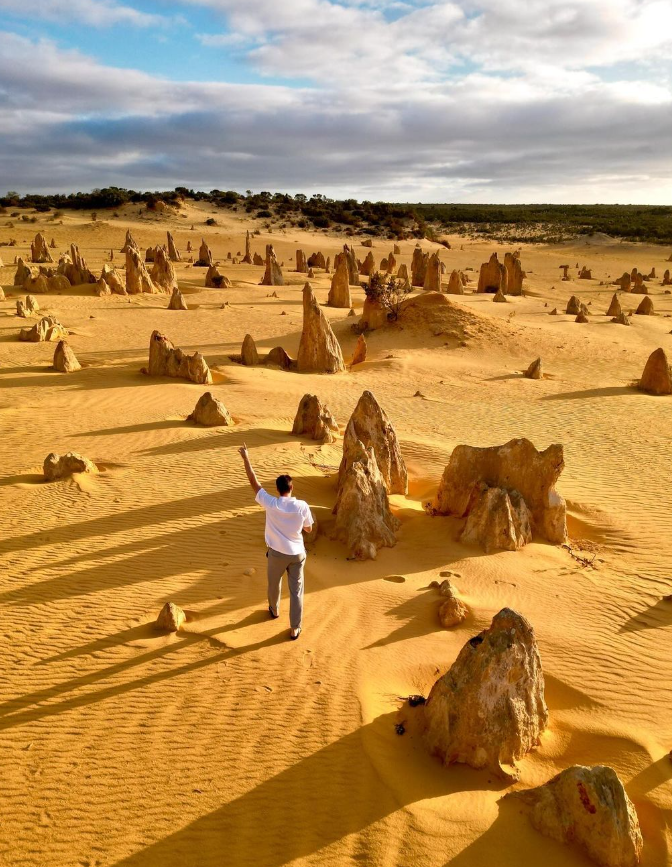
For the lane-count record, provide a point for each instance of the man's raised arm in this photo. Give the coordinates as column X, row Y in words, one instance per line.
column 256, row 487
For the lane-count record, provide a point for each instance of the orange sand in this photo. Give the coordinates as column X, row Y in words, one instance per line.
column 227, row 744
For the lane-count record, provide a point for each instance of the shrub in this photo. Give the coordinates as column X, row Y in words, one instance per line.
column 386, row 290
column 211, row 221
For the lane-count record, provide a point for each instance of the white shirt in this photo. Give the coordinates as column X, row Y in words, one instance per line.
column 285, row 519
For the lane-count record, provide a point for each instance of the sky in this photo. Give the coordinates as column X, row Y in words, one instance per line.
column 566, row 101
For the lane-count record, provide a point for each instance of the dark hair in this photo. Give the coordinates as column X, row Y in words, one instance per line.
column 283, row 484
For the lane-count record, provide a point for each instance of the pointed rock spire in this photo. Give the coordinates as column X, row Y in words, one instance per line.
column 319, row 350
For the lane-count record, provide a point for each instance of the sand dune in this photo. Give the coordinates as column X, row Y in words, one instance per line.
column 226, row 744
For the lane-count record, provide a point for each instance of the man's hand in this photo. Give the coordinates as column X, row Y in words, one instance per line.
column 252, row 479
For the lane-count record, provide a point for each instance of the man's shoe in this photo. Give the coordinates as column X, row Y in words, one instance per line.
column 294, row 633
column 274, row 614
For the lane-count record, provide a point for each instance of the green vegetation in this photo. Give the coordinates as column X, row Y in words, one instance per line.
column 510, row 223
column 386, row 290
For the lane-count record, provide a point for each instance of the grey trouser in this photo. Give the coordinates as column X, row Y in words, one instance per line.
column 292, row 564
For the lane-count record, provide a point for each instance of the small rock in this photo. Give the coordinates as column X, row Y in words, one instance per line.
column 171, row 617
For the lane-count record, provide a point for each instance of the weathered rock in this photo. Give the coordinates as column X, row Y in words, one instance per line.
column 58, row 283
column 110, row 275
column 493, row 276
column 581, row 318
column 370, row 425
column 383, row 265
column 257, row 259
column 657, row 375
column 624, row 282
column 23, row 272
column 645, row 307
column 667, row 280
column 46, row 330
column 60, row 466
column 31, row 304
column 499, row 297
column 565, row 269
column 589, row 808
column 573, row 306
column 452, row 611
column 163, row 273
column 585, row 274
column 204, row 256
column 279, row 358
column 39, row 251
column 74, row 267
column 638, row 287
column 210, row 412
column 52, row 244
column 534, row 371
column 150, row 254
column 166, row 360
column 314, row 419
column 367, row 242
column 137, row 276
column 189, row 247
column 173, row 252
column 65, row 360
column 249, row 355
column 319, row 350
column 129, row 243
column 339, row 293
column 432, row 282
column 614, row 307
column 102, row 289
column 364, row 522
column 397, row 250
column 215, row 280
column 273, row 274
column 515, row 466
column 359, row 354
column 391, row 263
column 455, row 286
column 499, row 520
column 177, row 301
column 368, row 266
column 351, row 259
column 317, row 260
column 488, row 710
column 621, row 319
column 301, row 264
column 171, row 618
column 247, row 258
column 419, row 267
column 21, row 309
column 37, row 283
column 514, row 274
column 374, row 315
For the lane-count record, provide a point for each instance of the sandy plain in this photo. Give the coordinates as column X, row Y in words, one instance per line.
column 226, row 744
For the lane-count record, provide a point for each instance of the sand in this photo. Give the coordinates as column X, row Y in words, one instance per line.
column 227, row 744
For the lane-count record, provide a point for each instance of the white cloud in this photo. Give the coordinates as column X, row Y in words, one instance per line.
column 474, row 100
column 328, row 41
column 95, row 13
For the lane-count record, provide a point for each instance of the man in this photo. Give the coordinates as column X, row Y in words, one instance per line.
column 286, row 517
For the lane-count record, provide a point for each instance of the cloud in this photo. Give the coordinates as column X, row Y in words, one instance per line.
column 478, row 100
column 360, row 41
column 95, row 13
